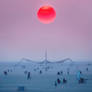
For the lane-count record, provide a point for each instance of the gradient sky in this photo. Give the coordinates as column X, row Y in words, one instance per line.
column 22, row 35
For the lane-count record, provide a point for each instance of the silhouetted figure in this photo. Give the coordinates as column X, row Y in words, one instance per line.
column 78, row 75
column 58, row 81
column 80, row 78
column 87, row 69
column 8, row 70
column 80, row 72
column 5, row 72
column 64, row 80
column 61, row 72
column 28, row 76
column 55, row 84
column 40, row 72
column 68, row 71
column 58, row 73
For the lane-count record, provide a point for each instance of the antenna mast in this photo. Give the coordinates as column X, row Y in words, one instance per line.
column 46, row 54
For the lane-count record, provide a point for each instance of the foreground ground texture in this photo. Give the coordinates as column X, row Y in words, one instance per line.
column 44, row 81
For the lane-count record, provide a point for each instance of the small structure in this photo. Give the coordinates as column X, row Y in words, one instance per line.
column 21, row 88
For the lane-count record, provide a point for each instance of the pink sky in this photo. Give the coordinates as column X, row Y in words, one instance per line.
column 22, row 35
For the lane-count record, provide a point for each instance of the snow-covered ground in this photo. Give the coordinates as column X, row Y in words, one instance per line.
column 44, row 82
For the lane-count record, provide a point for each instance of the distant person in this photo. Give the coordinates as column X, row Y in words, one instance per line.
column 87, row 69
column 61, row 72
column 79, row 77
column 5, row 72
column 58, row 73
column 64, row 80
column 58, row 81
column 55, row 84
column 68, row 71
column 28, row 76
column 40, row 72
column 82, row 80
column 8, row 70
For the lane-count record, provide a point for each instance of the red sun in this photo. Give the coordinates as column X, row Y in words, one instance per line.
column 46, row 14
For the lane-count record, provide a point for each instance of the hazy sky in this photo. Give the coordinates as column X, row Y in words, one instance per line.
column 22, row 35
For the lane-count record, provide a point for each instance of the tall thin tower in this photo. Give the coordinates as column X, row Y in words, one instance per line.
column 46, row 55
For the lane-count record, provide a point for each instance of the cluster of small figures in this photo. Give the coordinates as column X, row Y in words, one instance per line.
column 80, row 78
column 7, row 71
column 58, row 81
column 25, row 72
column 29, row 74
column 63, row 80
